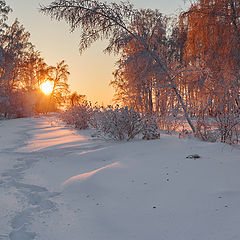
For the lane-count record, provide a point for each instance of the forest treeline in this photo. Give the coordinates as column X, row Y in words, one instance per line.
column 175, row 68
column 187, row 66
column 23, row 70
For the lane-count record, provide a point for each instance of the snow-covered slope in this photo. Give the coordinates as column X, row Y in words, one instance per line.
column 58, row 183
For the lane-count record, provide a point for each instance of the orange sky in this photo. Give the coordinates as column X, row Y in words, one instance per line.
column 90, row 72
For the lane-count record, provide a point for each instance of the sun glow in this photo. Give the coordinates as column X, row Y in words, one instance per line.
column 47, row 87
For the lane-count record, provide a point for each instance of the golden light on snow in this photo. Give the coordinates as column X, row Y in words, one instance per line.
column 86, row 175
column 47, row 87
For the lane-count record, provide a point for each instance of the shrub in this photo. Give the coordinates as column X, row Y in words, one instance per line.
column 123, row 124
column 150, row 128
column 205, row 131
column 228, row 124
column 112, row 122
column 78, row 116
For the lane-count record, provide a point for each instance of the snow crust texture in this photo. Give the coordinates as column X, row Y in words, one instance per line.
column 58, row 183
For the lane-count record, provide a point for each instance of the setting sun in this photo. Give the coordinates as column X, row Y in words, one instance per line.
column 47, row 87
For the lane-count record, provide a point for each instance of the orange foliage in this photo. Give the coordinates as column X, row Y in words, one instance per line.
column 213, row 34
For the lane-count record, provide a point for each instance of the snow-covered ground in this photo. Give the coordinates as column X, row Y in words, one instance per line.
column 60, row 184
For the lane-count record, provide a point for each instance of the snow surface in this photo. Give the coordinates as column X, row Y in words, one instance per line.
column 58, row 184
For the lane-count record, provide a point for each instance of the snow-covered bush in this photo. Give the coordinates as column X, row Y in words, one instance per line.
column 123, row 124
column 223, row 125
column 78, row 116
column 228, row 124
column 150, row 128
column 112, row 122
column 205, row 131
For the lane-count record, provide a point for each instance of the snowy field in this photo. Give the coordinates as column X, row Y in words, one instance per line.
column 60, row 184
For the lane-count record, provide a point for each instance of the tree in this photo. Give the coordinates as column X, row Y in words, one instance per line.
column 99, row 20
column 18, row 55
column 213, row 33
column 4, row 11
column 17, row 50
column 138, row 81
column 76, row 99
column 59, row 76
column 136, row 77
column 213, row 42
column 212, row 30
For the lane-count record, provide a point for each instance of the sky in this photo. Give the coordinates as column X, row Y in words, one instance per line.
column 91, row 72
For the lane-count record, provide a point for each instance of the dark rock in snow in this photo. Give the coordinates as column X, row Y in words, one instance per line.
column 194, row 156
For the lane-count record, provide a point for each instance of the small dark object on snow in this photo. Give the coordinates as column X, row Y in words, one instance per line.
column 194, row 156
